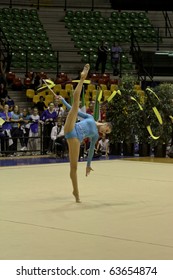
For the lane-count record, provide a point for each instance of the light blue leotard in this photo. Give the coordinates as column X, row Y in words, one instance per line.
column 84, row 129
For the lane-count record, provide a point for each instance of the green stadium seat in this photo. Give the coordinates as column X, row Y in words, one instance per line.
column 114, row 14
column 69, row 14
column 84, row 37
column 82, row 50
column 88, row 14
column 99, row 32
column 24, row 12
column 79, row 14
column 33, row 12
column 92, row 20
column 6, row 11
column 86, row 25
column 97, row 14
column 74, row 20
column 93, row 57
column 76, row 37
column 144, row 21
column 78, row 25
column 69, row 24
column 67, row 19
column 101, row 20
column 80, row 31
column 104, row 25
column 83, row 20
column 142, row 15
column 85, row 58
column 78, row 44
column 89, row 31
column 124, row 15
column 109, row 20
column 111, row 38
column 133, row 15
column 93, row 37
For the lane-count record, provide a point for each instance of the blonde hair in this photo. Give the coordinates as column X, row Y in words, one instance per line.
column 109, row 125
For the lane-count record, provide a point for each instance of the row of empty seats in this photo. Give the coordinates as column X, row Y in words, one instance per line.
column 91, row 91
column 89, row 28
column 25, row 33
column 117, row 27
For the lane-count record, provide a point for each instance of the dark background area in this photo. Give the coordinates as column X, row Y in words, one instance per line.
column 147, row 5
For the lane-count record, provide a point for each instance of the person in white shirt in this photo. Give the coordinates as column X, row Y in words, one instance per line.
column 58, row 138
column 103, row 146
column 58, row 108
column 33, row 132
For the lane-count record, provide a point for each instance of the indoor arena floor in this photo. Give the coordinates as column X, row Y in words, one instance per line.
column 126, row 212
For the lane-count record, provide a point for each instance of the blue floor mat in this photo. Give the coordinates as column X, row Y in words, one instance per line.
column 43, row 160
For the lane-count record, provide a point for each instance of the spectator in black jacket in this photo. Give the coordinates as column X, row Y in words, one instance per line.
column 102, row 57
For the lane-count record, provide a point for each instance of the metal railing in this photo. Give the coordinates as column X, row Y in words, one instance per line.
column 12, row 144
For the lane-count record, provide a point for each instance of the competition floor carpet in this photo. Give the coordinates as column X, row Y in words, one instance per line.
column 126, row 211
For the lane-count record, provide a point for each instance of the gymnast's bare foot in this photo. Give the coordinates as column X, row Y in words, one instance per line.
column 85, row 71
column 76, row 197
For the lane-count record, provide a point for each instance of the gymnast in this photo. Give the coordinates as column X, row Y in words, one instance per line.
column 75, row 132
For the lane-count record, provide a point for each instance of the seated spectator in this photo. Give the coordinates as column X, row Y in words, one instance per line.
column 103, row 146
column 58, row 138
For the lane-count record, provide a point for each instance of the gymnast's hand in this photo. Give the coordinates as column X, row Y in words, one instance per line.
column 59, row 97
column 88, row 169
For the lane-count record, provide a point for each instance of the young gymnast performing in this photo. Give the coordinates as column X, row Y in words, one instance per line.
column 75, row 132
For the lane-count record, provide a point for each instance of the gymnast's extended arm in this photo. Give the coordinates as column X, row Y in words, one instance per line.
column 80, row 114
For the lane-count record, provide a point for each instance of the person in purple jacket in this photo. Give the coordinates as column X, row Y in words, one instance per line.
column 5, row 130
column 75, row 132
column 48, row 117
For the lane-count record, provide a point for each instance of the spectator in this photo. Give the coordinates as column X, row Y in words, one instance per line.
column 36, row 81
column 5, row 130
column 58, row 108
column 103, row 146
column 2, row 74
column 3, row 92
column 41, row 105
column 102, row 57
column 103, row 113
column 90, row 109
column 25, row 126
column 115, row 58
column 48, row 117
column 16, row 131
column 10, row 103
column 33, row 132
column 58, row 138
